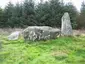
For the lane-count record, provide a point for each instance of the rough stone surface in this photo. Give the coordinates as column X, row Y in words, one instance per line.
column 14, row 35
column 35, row 33
column 66, row 28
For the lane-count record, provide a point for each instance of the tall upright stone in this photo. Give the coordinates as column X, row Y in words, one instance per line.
column 66, row 28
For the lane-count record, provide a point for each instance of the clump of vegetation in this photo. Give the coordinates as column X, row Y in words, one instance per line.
column 64, row 50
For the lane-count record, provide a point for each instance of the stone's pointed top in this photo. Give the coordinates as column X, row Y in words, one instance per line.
column 66, row 15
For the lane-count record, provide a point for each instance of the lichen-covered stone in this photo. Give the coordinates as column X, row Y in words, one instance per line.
column 66, row 28
column 35, row 33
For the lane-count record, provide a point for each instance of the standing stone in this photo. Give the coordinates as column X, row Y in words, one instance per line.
column 66, row 28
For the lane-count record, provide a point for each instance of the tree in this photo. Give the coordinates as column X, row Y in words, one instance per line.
column 17, row 16
column 8, row 12
column 1, row 18
column 42, row 13
column 83, row 8
column 49, row 13
column 81, row 18
column 29, row 13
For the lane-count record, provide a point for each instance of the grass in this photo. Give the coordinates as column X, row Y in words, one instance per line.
column 63, row 50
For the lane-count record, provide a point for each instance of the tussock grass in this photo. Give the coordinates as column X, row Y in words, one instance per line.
column 64, row 50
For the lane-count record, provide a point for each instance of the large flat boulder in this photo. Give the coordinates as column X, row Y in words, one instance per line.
column 35, row 33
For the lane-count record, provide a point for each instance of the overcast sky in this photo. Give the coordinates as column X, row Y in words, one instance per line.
column 76, row 3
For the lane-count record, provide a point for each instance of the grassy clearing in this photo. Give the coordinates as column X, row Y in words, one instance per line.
column 64, row 50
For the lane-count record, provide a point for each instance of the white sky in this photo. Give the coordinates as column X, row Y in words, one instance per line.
column 76, row 3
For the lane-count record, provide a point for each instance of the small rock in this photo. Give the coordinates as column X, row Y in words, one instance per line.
column 14, row 35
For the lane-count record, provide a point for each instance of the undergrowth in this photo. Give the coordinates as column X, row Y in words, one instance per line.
column 63, row 50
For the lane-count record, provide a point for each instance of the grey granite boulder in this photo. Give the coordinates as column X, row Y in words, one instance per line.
column 14, row 35
column 35, row 33
column 66, row 28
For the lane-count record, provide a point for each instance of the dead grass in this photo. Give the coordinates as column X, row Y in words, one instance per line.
column 7, row 31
